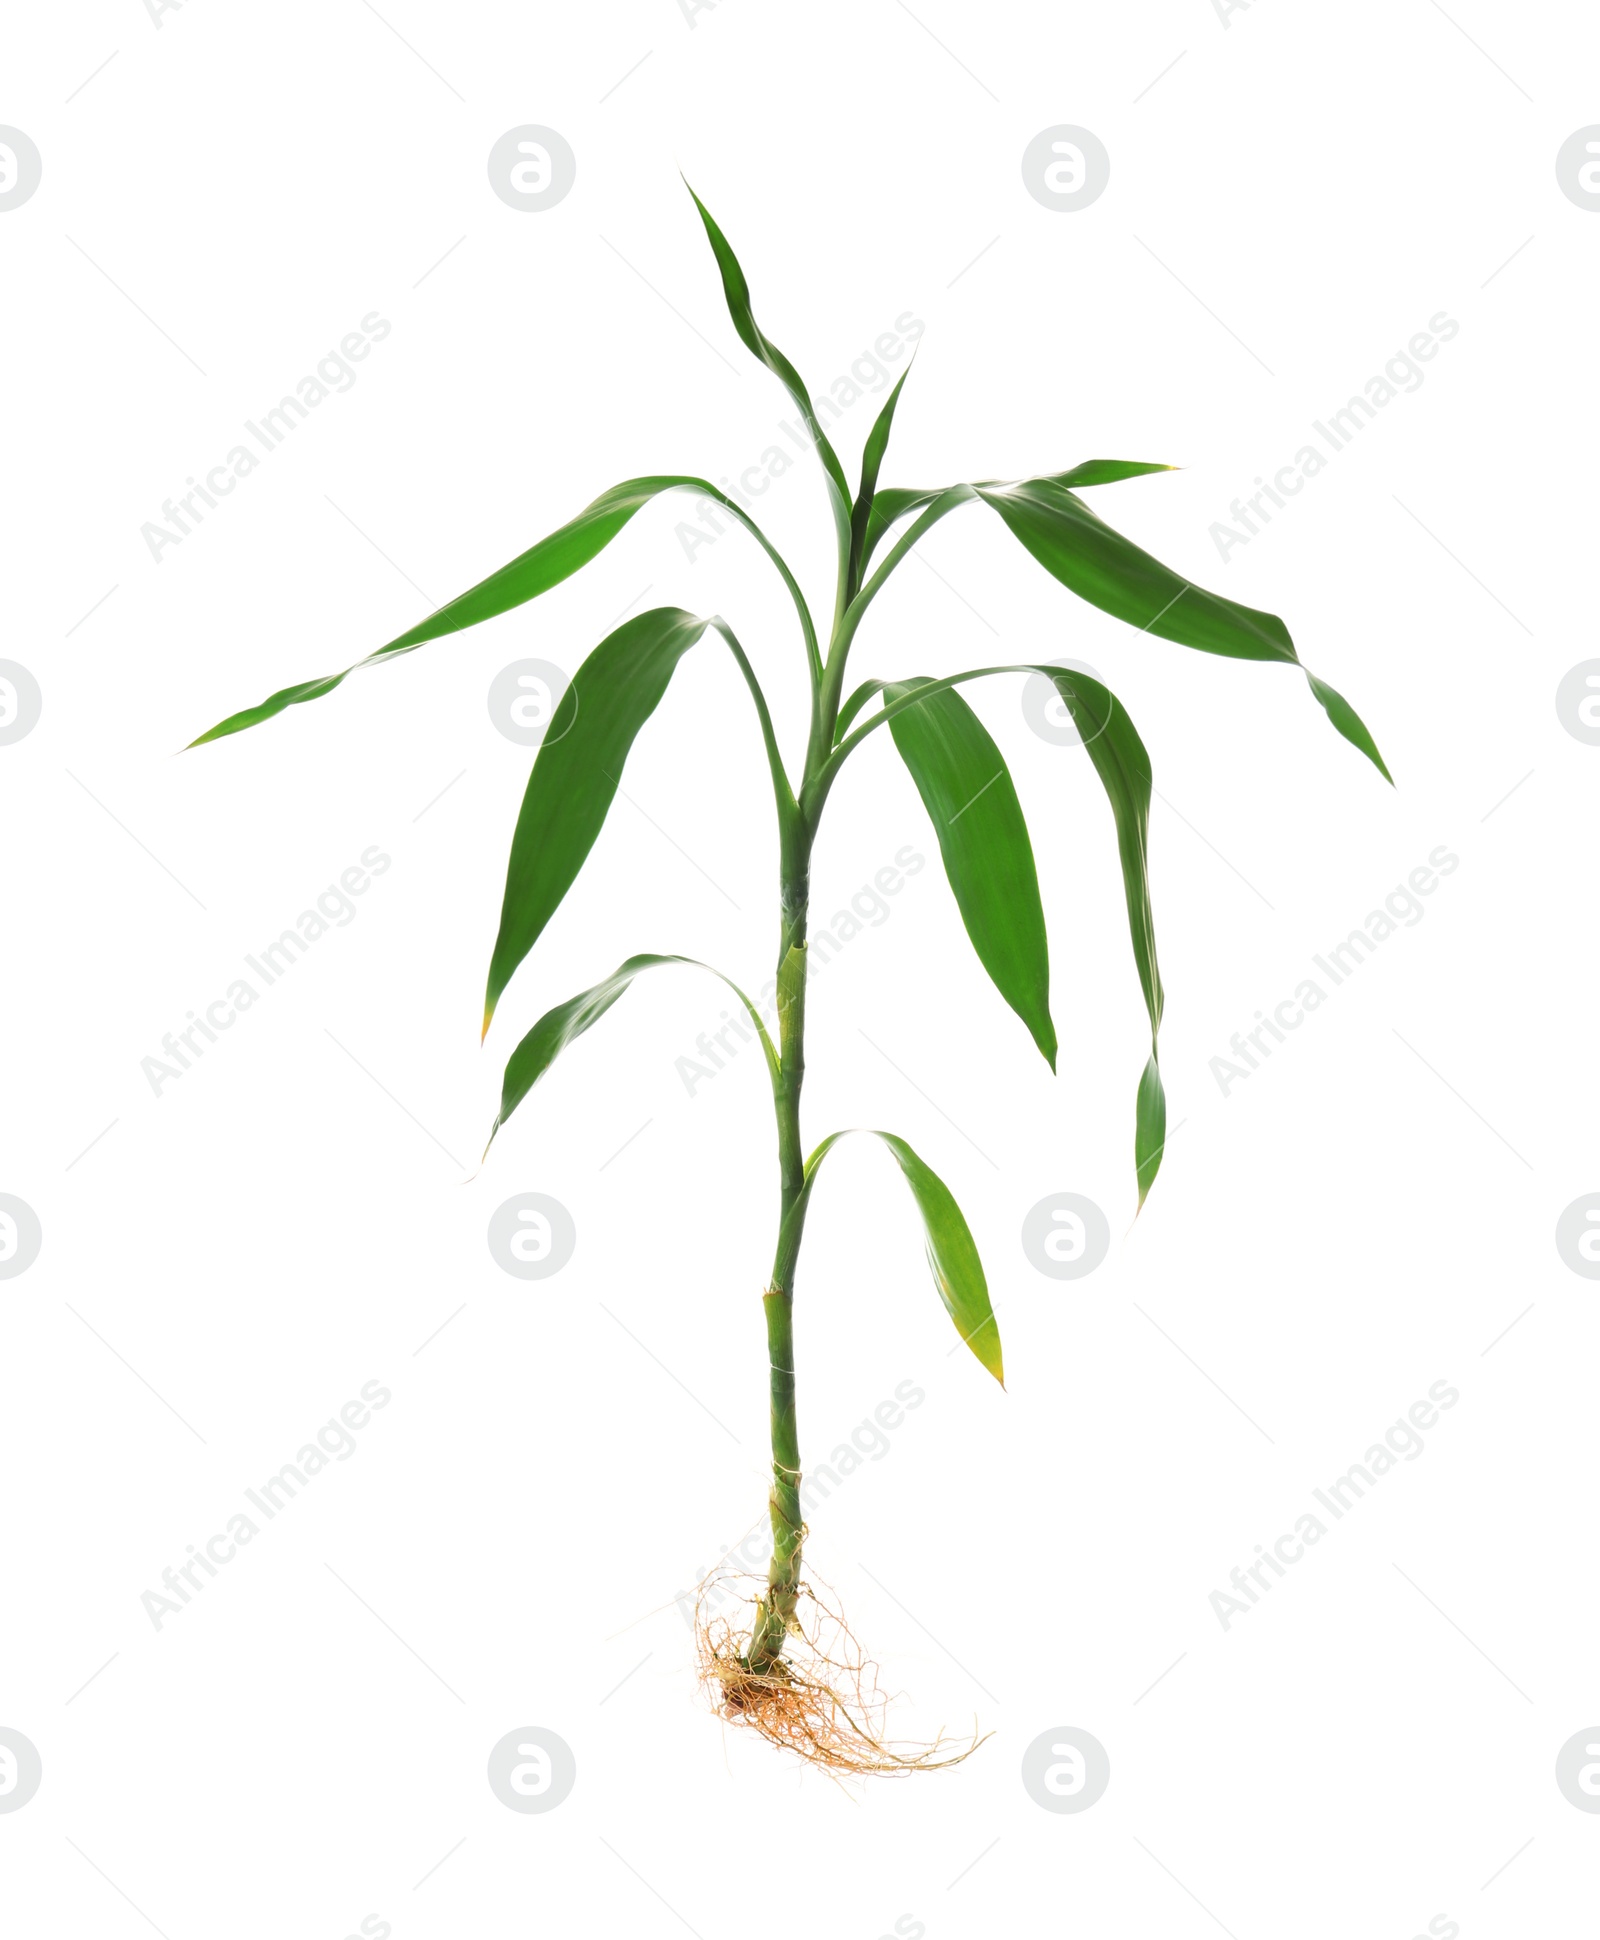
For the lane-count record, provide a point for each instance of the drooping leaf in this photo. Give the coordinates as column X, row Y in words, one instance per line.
column 737, row 291
column 554, row 1031
column 1348, row 722
column 952, row 1258
column 1078, row 548
column 1120, row 760
column 952, row 1253
column 983, row 839
column 1113, row 745
column 533, row 572
column 1100, row 566
column 577, row 772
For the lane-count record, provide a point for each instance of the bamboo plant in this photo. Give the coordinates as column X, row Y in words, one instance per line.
column 955, row 765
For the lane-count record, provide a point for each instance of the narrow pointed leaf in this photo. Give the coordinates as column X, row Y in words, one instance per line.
column 1349, row 723
column 737, row 291
column 1149, row 1126
column 1106, row 471
column 1100, row 566
column 894, row 502
column 983, row 838
column 952, row 1258
column 554, row 1031
column 1113, row 745
column 1094, row 561
column 1120, row 760
column 952, row 1252
column 533, row 572
column 577, row 772
column 871, row 464
column 853, row 706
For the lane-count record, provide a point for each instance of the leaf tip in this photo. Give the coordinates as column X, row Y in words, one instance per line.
column 705, row 213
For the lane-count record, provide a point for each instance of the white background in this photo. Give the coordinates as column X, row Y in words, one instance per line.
column 302, row 1211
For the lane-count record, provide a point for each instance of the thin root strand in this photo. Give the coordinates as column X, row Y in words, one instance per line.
column 821, row 1700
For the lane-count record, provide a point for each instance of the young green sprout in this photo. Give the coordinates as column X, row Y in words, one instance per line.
column 983, row 841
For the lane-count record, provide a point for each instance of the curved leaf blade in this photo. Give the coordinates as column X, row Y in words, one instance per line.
column 853, row 707
column 540, row 1048
column 972, row 802
column 871, row 464
column 952, row 1258
column 951, row 1250
column 894, row 502
column 1112, row 743
column 889, row 505
column 1106, row 471
column 1123, row 765
column 736, row 289
column 1349, row 723
column 1092, row 560
column 577, row 772
column 1100, row 566
column 553, row 559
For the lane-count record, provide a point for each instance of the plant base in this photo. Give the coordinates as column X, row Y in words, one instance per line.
column 821, row 1700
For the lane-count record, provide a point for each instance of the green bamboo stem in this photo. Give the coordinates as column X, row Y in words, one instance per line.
column 775, row 1613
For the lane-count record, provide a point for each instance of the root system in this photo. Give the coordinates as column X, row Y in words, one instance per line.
column 822, row 1700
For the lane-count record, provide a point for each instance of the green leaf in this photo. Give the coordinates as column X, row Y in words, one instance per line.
column 737, row 290
column 1106, row 471
column 853, row 707
column 1078, row 548
column 894, row 502
column 1110, row 572
column 1349, row 723
column 952, row 1253
column 952, row 1258
column 533, row 572
column 968, row 792
column 871, row 464
column 1100, row 566
column 1113, row 745
column 577, row 772
column 1120, row 760
column 554, row 1031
